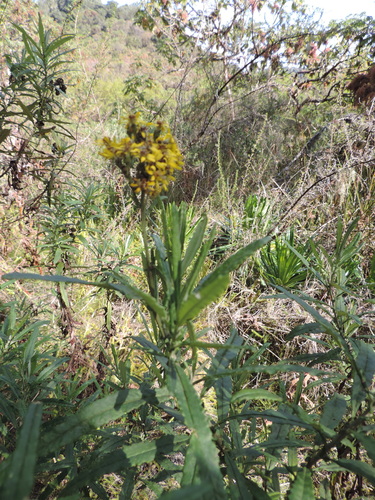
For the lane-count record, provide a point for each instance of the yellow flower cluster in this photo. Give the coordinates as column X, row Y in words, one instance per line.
column 147, row 156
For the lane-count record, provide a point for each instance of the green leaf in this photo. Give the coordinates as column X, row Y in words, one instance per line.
column 127, row 457
column 4, row 132
column 333, row 411
column 194, row 244
column 195, row 492
column 361, row 469
column 201, row 443
column 197, row 267
column 280, row 417
column 129, row 479
column 55, row 44
column 272, row 369
column 94, row 415
column 206, row 456
column 29, row 351
column 190, row 405
column 223, row 388
column 363, row 374
column 64, row 294
column 26, row 110
column 326, row 326
column 164, row 265
column 47, row 372
column 236, row 436
column 223, row 385
column 304, row 261
column 368, row 443
column 241, row 487
column 303, row 329
column 126, row 287
column 302, row 487
column 202, row 297
column 178, row 227
column 238, row 482
column 153, row 350
column 20, row 466
column 237, row 259
column 214, row 285
column 248, row 394
column 27, row 40
column 190, row 471
column 41, row 33
column 279, row 433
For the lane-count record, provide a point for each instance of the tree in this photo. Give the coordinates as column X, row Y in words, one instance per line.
column 240, row 49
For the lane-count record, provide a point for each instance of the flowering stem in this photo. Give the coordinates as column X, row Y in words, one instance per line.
column 148, row 265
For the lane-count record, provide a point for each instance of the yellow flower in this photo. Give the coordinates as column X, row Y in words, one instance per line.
column 147, row 156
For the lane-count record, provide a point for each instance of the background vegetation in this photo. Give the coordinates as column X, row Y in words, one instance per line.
column 224, row 348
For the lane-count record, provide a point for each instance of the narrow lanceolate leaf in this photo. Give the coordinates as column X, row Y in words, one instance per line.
column 307, row 328
column 201, row 446
column 302, row 487
column 190, row 471
column 221, row 361
column 121, row 460
column 325, row 325
column 241, row 487
column 94, row 415
column 55, row 44
column 237, row 481
column 364, row 373
column 362, row 469
column 164, row 266
column 126, row 287
column 194, row 245
column 223, row 388
column 208, row 465
column 368, row 443
column 225, row 353
column 214, row 285
column 202, row 297
column 129, row 480
column 238, row 258
column 20, row 471
column 247, row 394
column 281, row 417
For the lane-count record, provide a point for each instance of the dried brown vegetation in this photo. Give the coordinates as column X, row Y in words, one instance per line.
column 363, row 87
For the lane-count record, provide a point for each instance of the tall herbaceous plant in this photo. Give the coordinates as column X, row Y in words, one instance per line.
column 208, row 420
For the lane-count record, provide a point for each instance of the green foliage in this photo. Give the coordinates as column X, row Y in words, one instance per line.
column 175, row 380
column 93, row 12
column 29, row 100
column 280, row 265
column 30, row 365
column 66, row 221
column 257, row 214
column 249, row 457
column 238, row 52
column 34, row 134
column 20, row 468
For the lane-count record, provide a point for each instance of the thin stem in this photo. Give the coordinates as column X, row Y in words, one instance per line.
column 149, row 269
column 145, row 238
